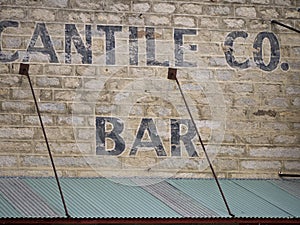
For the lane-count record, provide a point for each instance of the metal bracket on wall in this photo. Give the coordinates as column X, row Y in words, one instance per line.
column 283, row 174
column 172, row 76
column 24, row 70
column 286, row 26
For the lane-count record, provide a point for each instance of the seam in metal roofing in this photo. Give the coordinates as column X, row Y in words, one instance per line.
column 28, row 197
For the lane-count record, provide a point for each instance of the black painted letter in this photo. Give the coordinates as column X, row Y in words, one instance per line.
column 48, row 49
column 150, row 49
column 148, row 124
column 110, row 42
column 186, row 138
column 178, row 51
column 229, row 50
column 133, row 46
column 71, row 33
column 275, row 51
column 14, row 56
column 114, row 135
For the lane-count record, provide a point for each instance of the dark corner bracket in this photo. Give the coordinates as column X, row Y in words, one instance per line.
column 24, row 69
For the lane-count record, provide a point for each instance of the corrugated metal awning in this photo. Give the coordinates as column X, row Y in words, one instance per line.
column 127, row 198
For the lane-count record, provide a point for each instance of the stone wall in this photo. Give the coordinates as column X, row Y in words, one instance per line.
column 99, row 71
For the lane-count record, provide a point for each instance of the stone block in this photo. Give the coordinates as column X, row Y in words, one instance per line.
column 258, row 138
column 55, row 134
column 18, row 94
column 10, row 119
column 34, row 120
column 283, row 2
column 8, row 161
column 268, row 13
column 246, row 101
column 272, row 126
column 18, row 107
column 258, row 24
column 292, row 165
column 16, row 133
column 263, row 2
column 9, row 12
column 71, row 82
column 85, row 134
column 118, row 6
column 65, row 148
column 239, row 87
column 293, row 90
column 55, row 3
column 287, row 139
column 85, row 70
column 274, row 152
column 48, row 82
column 220, row 10
column 65, row 95
column 45, row 95
column 208, row 22
column 290, row 115
column 10, row 42
column 191, row 8
column 14, row 146
column 232, row 151
column 42, row 15
column 217, row 62
column 235, row 1
column 49, row 107
column 277, row 102
column 58, row 70
column 176, row 164
column 136, row 19
column 291, row 13
column 261, row 165
column 70, row 120
column 140, row 7
column 157, row 20
column 256, row 175
column 249, row 12
column 234, row 23
column 87, row 4
column 10, row 81
column 35, row 161
column 4, row 68
column 164, row 8
column 223, row 164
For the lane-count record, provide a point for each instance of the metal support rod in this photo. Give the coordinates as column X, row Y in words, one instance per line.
column 282, row 174
column 286, row 26
column 172, row 75
column 24, row 71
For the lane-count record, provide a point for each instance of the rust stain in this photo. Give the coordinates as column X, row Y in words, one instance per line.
column 269, row 112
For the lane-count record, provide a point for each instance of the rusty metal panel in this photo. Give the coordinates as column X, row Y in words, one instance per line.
column 177, row 200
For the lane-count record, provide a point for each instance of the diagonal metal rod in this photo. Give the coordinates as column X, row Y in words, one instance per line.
column 173, row 77
column 24, row 71
column 286, row 26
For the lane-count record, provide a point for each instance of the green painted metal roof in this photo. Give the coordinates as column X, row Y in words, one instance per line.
column 28, row 197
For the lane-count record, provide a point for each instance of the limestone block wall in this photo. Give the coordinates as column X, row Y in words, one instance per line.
column 99, row 71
